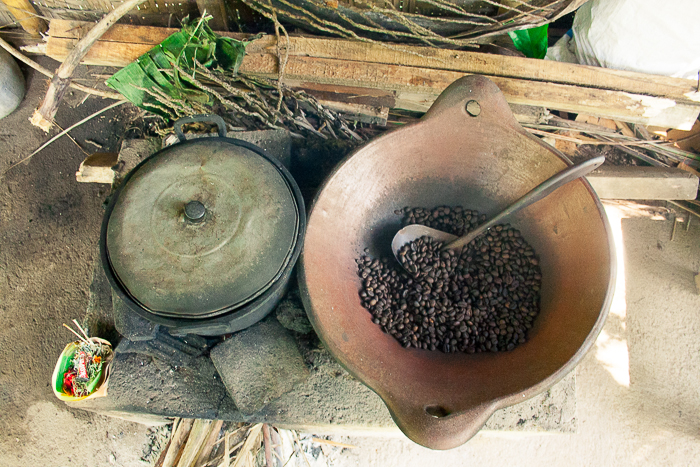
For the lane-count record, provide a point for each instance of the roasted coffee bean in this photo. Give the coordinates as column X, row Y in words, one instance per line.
column 482, row 298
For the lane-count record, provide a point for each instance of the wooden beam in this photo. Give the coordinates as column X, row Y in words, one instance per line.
column 26, row 16
column 417, row 75
column 217, row 9
column 649, row 183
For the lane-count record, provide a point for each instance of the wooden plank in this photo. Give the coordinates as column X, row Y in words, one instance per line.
column 68, row 29
column 416, row 87
column 25, row 14
column 649, row 183
column 682, row 90
column 497, row 65
column 103, row 53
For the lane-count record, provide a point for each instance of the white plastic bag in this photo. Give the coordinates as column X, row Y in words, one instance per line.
column 562, row 50
column 660, row 37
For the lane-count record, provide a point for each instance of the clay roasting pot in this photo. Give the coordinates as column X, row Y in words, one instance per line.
column 468, row 150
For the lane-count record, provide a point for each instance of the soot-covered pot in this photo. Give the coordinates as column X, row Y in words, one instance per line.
column 202, row 236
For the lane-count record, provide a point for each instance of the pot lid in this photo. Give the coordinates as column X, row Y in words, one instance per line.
column 201, row 228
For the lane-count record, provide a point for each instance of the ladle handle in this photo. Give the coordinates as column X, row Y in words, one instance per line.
column 540, row 191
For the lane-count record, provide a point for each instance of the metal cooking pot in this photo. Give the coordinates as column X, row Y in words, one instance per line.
column 202, row 236
column 468, row 150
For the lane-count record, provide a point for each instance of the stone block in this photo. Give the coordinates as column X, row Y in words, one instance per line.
column 259, row 364
column 144, row 385
column 132, row 152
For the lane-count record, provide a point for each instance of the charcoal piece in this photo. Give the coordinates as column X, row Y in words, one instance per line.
column 291, row 314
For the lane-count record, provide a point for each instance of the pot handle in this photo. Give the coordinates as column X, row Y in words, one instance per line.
column 211, row 118
column 474, row 100
column 434, row 427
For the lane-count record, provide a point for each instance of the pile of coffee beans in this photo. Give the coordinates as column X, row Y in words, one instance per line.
column 482, row 298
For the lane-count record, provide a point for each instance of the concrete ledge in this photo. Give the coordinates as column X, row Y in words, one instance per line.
column 142, row 387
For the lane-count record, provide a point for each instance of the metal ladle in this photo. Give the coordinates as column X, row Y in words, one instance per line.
column 414, row 231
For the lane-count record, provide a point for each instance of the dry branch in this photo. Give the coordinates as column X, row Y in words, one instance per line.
column 43, row 116
column 249, row 446
column 208, row 445
column 177, row 442
column 28, row 61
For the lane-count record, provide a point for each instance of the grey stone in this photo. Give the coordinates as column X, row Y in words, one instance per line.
column 332, row 400
column 148, row 383
column 12, row 86
column 177, row 352
column 329, row 400
column 553, row 410
column 99, row 316
column 259, row 364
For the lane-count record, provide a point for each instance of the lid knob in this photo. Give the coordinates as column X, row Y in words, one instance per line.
column 195, row 211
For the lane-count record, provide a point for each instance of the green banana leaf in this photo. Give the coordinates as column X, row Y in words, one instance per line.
column 154, row 71
column 532, row 42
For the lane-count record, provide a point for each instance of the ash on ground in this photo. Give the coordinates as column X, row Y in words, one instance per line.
column 158, row 437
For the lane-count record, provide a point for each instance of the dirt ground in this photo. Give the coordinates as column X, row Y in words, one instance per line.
column 49, row 227
column 638, row 400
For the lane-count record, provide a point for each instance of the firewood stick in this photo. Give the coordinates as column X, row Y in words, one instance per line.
column 267, row 441
column 43, row 116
